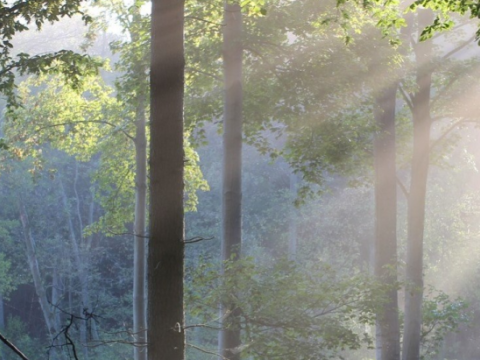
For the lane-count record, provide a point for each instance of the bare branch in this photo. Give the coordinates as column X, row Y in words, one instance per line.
column 205, row 351
column 406, row 97
column 203, row 20
column 402, row 187
column 448, row 131
column 197, row 239
column 13, row 347
column 86, row 122
column 203, row 73
column 202, row 326
column 458, row 48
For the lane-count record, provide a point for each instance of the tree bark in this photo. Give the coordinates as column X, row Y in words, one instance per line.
column 139, row 266
column 2, row 324
column 48, row 313
column 229, row 336
column 388, row 332
column 166, row 335
column 292, row 225
column 56, row 296
column 416, row 198
column 81, row 266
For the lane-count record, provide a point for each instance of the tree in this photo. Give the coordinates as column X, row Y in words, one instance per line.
column 17, row 17
column 288, row 311
column 422, row 121
column 132, row 89
column 385, row 265
column 166, row 332
column 229, row 337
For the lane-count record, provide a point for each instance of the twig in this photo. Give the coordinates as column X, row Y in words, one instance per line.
column 87, row 122
column 197, row 239
column 13, row 347
column 205, row 351
column 126, row 233
column 202, row 326
column 460, row 47
column 406, row 97
column 402, row 187
column 204, row 20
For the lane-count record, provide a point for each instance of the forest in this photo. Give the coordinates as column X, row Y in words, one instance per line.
column 239, row 179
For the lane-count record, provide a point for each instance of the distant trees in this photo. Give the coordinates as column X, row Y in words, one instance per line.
column 328, row 126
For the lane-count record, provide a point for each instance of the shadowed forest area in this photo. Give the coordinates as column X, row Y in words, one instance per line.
column 239, row 179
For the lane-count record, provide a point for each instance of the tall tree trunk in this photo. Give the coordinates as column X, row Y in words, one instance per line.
column 166, row 334
column 55, row 295
column 47, row 311
column 139, row 266
column 292, row 225
column 417, row 195
column 2, row 324
column 388, row 332
column 229, row 337
column 81, row 264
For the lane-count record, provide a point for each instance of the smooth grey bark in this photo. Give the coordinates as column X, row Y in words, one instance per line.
column 139, row 254
column 55, row 295
column 417, row 195
column 2, row 324
column 229, row 337
column 47, row 311
column 292, row 225
column 385, row 265
column 91, row 211
column 81, row 264
column 2, row 314
column 165, row 264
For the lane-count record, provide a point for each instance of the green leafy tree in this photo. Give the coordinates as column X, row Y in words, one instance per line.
column 287, row 311
column 20, row 16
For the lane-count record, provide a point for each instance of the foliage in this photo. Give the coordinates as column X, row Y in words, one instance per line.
column 16, row 332
column 287, row 311
column 441, row 316
column 391, row 15
column 16, row 17
column 6, row 278
column 91, row 121
column 443, row 9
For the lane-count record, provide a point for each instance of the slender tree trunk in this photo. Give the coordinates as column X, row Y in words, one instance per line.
column 388, row 332
column 55, row 296
column 139, row 266
column 417, row 195
column 229, row 337
column 166, row 334
column 81, row 271
column 292, row 225
column 91, row 211
column 2, row 324
column 47, row 311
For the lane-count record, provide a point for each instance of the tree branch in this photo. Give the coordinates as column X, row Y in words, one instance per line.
column 87, row 122
column 205, row 351
column 13, row 347
column 204, row 73
column 406, row 97
column 203, row 20
column 402, row 187
column 458, row 48
column 197, row 239
column 447, row 132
